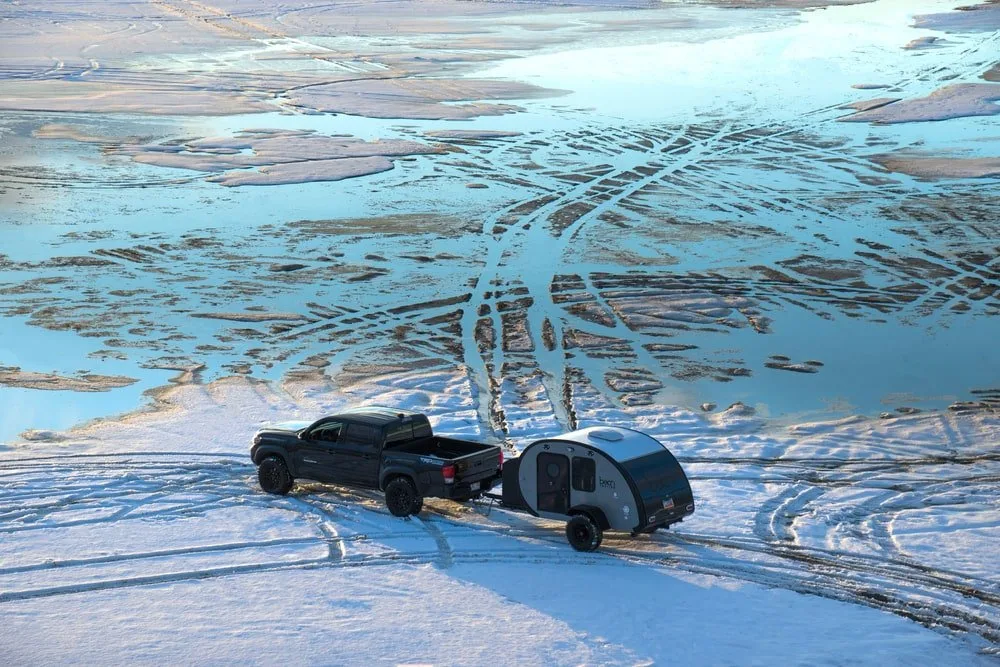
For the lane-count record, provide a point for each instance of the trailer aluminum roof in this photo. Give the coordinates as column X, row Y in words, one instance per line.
column 621, row 444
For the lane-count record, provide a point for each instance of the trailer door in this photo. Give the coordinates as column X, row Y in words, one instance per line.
column 553, row 483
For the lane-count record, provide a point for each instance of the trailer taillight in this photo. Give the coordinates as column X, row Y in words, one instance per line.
column 500, row 462
column 448, row 472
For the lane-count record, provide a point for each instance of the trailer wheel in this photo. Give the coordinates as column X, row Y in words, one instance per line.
column 401, row 497
column 273, row 476
column 583, row 533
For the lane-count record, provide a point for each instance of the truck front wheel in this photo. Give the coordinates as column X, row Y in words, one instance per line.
column 401, row 497
column 583, row 533
column 273, row 476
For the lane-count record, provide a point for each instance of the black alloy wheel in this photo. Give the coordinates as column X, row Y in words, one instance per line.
column 273, row 476
column 583, row 533
column 401, row 497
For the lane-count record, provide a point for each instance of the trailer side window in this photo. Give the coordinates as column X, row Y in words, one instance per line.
column 584, row 474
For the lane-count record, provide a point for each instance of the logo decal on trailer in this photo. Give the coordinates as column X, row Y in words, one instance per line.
column 607, row 483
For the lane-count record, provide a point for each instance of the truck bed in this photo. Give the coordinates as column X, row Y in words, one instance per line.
column 473, row 464
column 446, row 449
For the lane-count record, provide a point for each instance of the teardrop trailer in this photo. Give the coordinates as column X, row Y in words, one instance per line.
column 600, row 478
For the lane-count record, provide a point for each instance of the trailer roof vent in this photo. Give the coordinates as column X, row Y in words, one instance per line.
column 606, row 434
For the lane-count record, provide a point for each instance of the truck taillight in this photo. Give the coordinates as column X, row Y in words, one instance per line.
column 449, row 474
column 500, row 462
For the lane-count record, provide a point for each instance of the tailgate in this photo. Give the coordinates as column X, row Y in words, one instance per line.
column 478, row 465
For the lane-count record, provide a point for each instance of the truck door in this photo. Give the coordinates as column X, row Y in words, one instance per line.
column 357, row 455
column 318, row 454
column 553, row 483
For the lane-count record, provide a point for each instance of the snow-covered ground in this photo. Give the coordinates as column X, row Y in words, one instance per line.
column 147, row 540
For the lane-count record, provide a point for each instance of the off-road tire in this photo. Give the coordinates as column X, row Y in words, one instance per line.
column 418, row 504
column 583, row 533
column 273, row 475
column 401, row 497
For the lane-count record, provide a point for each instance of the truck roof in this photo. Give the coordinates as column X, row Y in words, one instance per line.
column 378, row 415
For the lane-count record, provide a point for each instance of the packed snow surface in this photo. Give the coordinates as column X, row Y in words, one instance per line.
column 147, row 539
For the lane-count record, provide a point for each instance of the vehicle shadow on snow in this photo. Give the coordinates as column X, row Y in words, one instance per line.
column 658, row 614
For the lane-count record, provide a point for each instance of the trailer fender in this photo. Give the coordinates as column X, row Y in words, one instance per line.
column 596, row 513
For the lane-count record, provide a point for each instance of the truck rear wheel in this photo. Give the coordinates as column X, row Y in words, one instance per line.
column 401, row 497
column 583, row 533
column 273, row 475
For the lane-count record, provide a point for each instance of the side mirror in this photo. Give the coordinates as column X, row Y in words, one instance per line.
column 303, row 434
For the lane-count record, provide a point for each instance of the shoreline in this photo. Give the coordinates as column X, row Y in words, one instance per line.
column 435, row 389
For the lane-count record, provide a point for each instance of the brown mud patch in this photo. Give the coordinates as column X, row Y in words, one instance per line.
column 13, row 376
column 926, row 42
column 252, row 317
column 983, row 17
column 313, row 171
column 402, row 224
column 182, row 57
column 265, row 156
column 60, row 96
column 927, row 166
column 472, row 134
column 783, row 363
column 869, row 105
column 416, row 99
column 955, row 101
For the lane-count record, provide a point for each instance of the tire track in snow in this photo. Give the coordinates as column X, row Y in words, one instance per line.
column 890, row 584
column 446, row 553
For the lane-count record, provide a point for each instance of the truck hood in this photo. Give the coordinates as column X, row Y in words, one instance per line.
column 284, row 427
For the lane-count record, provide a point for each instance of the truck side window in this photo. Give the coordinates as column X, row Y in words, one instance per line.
column 421, row 427
column 360, row 434
column 329, row 432
column 584, row 474
column 398, row 431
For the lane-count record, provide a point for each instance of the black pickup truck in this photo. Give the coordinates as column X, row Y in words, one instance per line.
column 388, row 449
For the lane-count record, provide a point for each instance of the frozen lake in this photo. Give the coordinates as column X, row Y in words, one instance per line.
column 692, row 214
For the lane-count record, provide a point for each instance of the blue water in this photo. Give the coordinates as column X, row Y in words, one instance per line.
column 63, row 353
column 60, row 198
